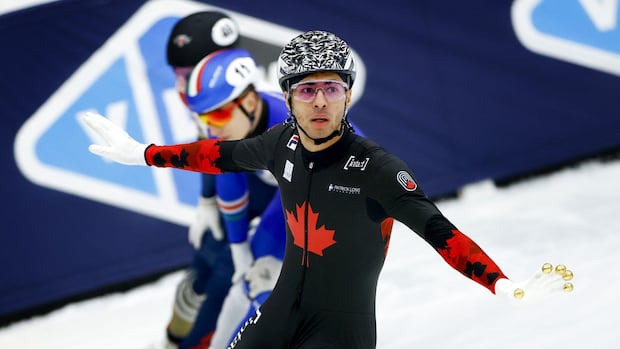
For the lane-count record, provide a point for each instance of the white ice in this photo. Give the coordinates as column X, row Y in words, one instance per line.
column 570, row 217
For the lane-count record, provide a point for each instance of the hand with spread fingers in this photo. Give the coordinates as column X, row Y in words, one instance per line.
column 116, row 145
column 544, row 283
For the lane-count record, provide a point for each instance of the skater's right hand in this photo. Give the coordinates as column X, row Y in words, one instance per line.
column 207, row 218
column 544, row 283
column 112, row 142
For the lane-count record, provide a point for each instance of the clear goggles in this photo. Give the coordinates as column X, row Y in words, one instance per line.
column 306, row 91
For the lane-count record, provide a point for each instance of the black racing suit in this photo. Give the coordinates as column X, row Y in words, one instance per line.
column 339, row 205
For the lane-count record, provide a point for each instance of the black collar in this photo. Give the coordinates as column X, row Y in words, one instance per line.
column 326, row 157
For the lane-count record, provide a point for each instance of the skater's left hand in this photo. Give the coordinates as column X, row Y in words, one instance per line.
column 263, row 275
column 544, row 283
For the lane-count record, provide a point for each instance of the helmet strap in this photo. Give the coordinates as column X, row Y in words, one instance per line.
column 344, row 123
column 250, row 115
column 318, row 141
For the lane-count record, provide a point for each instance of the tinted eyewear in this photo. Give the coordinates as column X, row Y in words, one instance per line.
column 220, row 116
column 306, row 91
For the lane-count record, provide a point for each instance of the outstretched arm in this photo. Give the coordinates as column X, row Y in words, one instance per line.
column 115, row 144
column 198, row 156
column 403, row 199
column 458, row 250
column 206, row 156
column 464, row 255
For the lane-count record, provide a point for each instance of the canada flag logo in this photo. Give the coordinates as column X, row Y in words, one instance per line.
column 319, row 237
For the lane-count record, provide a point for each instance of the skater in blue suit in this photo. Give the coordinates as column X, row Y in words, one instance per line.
column 221, row 92
column 228, row 203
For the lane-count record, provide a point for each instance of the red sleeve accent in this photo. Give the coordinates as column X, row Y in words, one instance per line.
column 197, row 156
column 386, row 232
column 467, row 257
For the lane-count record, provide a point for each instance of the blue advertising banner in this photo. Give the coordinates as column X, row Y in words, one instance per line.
column 583, row 32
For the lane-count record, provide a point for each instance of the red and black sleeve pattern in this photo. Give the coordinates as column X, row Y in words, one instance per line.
column 198, row 156
column 462, row 253
column 401, row 198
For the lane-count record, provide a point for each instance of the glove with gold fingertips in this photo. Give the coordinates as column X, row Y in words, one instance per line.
column 544, row 283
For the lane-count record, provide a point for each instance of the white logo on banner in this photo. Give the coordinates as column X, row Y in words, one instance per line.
column 583, row 32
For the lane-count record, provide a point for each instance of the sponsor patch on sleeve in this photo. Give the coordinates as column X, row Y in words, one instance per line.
column 406, row 181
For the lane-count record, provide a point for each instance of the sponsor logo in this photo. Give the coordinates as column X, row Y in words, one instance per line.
column 292, row 143
column 583, row 32
column 251, row 321
column 288, row 171
column 354, row 163
column 344, row 189
column 181, row 40
column 224, row 32
column 406, row 181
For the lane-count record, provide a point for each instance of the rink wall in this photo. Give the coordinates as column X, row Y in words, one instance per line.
column 462, row 91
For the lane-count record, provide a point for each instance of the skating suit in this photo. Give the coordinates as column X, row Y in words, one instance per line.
column 339, row 205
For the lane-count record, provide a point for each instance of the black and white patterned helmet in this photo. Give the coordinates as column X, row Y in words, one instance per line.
column 315, row 51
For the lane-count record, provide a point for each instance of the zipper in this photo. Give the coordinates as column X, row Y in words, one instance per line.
column 305, row 256
column 305, row 263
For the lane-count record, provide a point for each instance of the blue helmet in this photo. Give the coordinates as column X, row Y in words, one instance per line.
column 219, row 78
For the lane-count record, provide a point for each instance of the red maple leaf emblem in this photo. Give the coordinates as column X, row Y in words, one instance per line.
column 319, row 238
